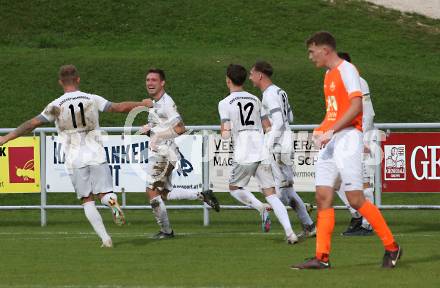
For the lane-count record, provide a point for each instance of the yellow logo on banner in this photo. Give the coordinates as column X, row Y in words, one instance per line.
column 20, row 165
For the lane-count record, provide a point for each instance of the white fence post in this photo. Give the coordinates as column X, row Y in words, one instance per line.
column 124, row 197
column 378, row 171
column 205, row 173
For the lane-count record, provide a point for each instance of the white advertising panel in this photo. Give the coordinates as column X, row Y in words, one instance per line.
column 127, row 157
column 221, row 157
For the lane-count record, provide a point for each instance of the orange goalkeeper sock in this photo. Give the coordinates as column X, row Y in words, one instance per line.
column 373, row 215
column 324, row 230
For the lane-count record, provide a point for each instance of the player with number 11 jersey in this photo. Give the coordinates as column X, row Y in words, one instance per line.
column 76, row 116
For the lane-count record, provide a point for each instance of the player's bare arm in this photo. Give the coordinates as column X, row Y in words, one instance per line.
column 179, row 128
column 267, row 126
column 166, row 133
column 354, row 110
column 225, row 130
column 125, row 107
column 23, row 129
column 169, row 132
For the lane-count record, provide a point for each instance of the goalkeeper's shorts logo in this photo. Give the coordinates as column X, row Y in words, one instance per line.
column 21, row 165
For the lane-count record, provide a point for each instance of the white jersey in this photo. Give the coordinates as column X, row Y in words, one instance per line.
column 367, row 107
column 76, row 117
column 243, row 111
column 275, row 100
column 276, row 106
column 164, row 114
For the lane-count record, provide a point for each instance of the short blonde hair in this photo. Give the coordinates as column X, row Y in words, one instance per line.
column 68, row 74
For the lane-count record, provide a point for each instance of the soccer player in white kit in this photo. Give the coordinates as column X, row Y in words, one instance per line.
column 165, row 124
column 76, row 117
column 276, row 106
column 359, row 226
column 241, row 117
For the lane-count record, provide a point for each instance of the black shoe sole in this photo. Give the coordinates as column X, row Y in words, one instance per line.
column 211, row 200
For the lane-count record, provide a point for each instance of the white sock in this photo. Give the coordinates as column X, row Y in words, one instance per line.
column 280, row 211
column 343, row 197
column 247, row 198
column 182, row 195
column 160, row 212
column 300, row 208
column 95, row 219
column 107, row 198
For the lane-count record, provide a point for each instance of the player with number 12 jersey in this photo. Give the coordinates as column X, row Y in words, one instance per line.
column 241, row 118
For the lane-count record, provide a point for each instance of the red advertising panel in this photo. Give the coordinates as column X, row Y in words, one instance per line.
column 411, row 162
column 21, row 165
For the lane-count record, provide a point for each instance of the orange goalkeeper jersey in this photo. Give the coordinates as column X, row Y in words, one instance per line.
column 341, row 84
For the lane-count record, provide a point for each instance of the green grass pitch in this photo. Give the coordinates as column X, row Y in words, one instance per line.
column 231, row 252
column 113, row 43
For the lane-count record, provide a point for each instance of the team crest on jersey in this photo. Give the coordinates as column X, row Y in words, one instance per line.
column 21, row 165
column 395, row 162
column 332, row 86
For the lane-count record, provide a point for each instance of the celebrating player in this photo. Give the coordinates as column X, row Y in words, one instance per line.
column 241, row 117
column 340, row 140
column 359, row 226
column 276, row 106
column 165, row 124
column 76, row 116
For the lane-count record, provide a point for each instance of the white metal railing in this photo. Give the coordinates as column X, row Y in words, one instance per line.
column 43, row 207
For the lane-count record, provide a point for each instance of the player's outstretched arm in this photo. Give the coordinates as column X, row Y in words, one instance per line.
column 125, row 107
column 23, row 129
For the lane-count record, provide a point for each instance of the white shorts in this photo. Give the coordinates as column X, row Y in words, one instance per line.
column 241, row 174
column 158, row 171
column 283, row 174
column 341, row 160
column 91, row 179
